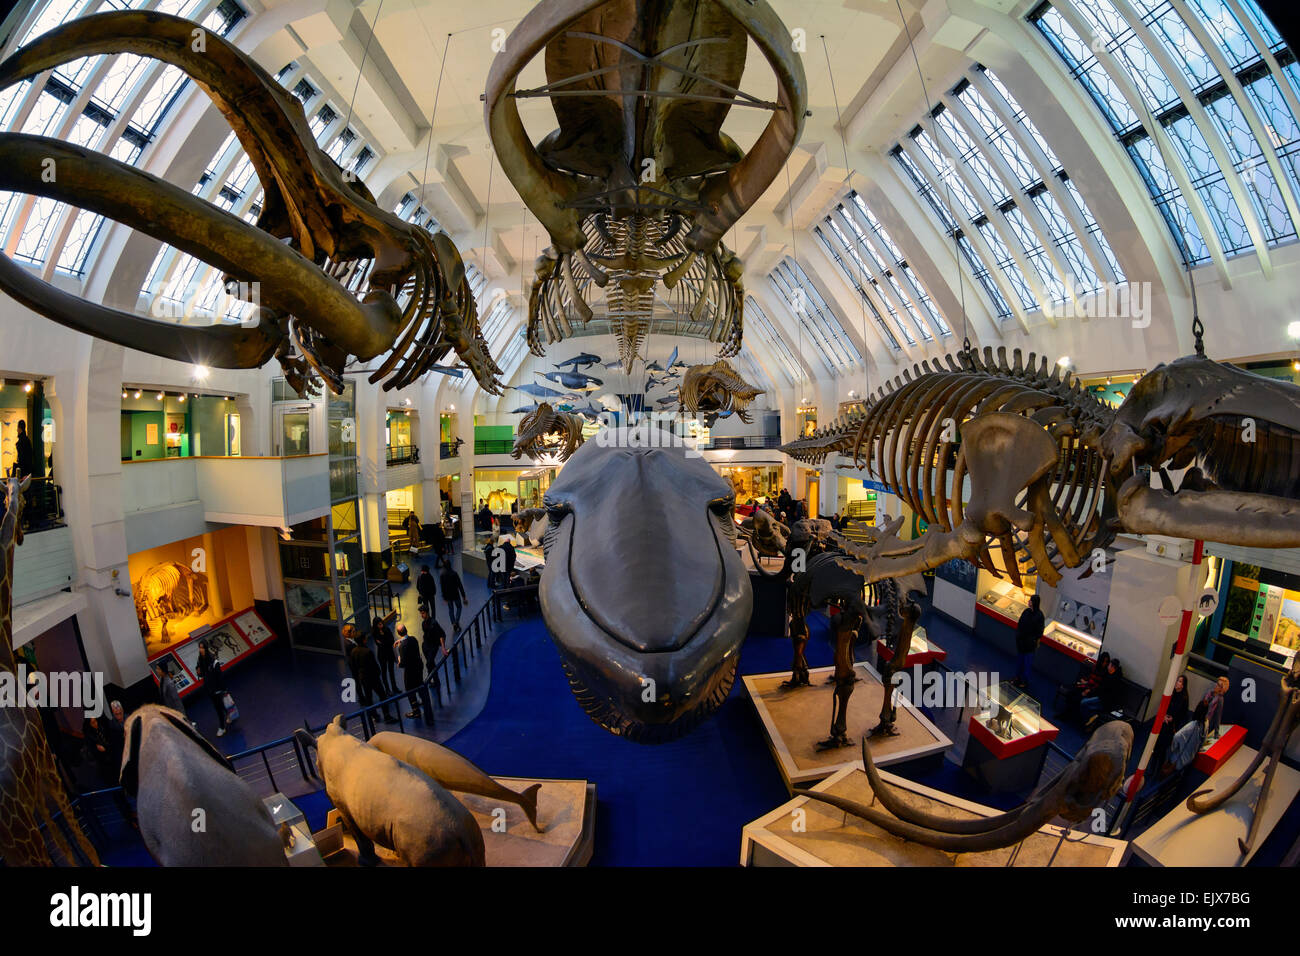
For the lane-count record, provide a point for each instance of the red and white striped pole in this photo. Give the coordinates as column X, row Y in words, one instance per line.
column 1175, row 669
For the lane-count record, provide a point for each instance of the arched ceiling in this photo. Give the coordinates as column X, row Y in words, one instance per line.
column 407, row 76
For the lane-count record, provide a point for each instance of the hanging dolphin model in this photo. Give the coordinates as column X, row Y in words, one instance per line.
column 537, row 391
column 573, row 380
column 580, row 361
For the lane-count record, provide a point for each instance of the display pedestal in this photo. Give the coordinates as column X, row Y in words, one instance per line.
column 806, row 832
column 566, row 811
column 1184, row 838
column 922, row 651
column 1006, row 765
column 795, row 719
column 1230, row 739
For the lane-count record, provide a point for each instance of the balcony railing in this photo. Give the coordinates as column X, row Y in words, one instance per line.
column 402, row 455
column 493, row 446
column 42, row 505
column 450, row 449
column 741, row 442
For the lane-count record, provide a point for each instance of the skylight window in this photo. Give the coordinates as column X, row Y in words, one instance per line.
column 837, row 351
column 855, row 274
column 105, row 86
column 496, row 319
column 757, row 319
column 1195, row 106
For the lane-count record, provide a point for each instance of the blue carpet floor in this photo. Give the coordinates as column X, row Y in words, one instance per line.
column 681, row 803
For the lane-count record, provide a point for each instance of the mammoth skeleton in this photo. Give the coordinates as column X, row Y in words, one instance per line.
column 333, row 277
column 638, row 185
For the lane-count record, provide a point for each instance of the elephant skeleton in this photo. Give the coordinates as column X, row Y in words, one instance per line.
column 332, row 276
column 638, row 185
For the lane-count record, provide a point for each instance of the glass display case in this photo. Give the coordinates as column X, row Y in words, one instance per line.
column 1078, row 644
column 1003, row 598
column 1010, row 713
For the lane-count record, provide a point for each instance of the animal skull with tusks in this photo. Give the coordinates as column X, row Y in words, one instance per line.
column 332, row 276
column 1092, row 778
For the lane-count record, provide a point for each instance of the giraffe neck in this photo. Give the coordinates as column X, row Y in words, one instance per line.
column 8, row 529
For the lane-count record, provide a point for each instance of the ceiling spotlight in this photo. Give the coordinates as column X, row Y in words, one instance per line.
column 852, row 394
column 451, row 407
column 1293, row 330
column 406, row 402
column 138, row 393
column 201, row 372
column 27, row 387
column 161, row 396
column 124, row 393
column 181, row 397
column 1063, row 361
column 1295, row 366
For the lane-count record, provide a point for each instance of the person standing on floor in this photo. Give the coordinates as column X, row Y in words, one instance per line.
column 1029, row 631
column 387, row 657
column 214, row 684
column 509, row 548
column 426, row 587
column 413, row 531
column 408, row 658
column 366, row 668
column 433, row 639
column 438, row 540
column 453, row 592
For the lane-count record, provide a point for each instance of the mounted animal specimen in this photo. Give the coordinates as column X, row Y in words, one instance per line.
column 638, row 185
column 453, row 771
column 386, row 801
column 31, row 790
column 333, row 276
column 546, row 433
column 1092, row 778
column 716, row 391
column 643, row 591
column 1285, row 721
column 172, row 772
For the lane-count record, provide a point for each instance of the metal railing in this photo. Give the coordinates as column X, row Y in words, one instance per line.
column 493, row 446
column 402, row 454
column 42, row 505
column 382, row 601
column 450, row 449
column 267, row 766
column 741, row 442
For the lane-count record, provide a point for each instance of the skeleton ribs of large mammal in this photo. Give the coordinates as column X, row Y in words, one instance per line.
column 1054, row 474
column 638, row 185
column 332, row 275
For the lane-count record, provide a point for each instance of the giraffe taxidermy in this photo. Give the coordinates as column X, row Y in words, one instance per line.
column 31, row 792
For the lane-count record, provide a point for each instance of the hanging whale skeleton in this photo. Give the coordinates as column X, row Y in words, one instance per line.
column 638, row 185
